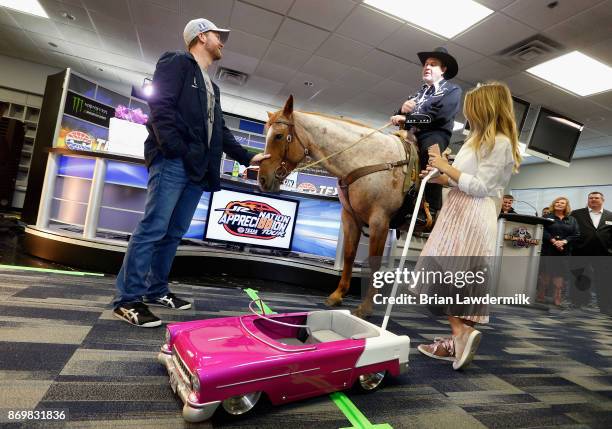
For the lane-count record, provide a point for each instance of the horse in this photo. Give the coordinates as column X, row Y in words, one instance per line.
column 369, row 199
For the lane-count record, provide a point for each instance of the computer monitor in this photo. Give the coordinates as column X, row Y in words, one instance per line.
column 521, row 108
column 554, row 137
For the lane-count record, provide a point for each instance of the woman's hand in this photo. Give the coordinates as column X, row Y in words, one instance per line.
column 436, row 160
column 440, row 180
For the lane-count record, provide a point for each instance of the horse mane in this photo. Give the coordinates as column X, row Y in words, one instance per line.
column 337, row 118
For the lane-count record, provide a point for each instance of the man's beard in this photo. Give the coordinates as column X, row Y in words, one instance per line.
column 214, row 52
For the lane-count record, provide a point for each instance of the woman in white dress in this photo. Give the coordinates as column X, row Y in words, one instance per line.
column 466, row 228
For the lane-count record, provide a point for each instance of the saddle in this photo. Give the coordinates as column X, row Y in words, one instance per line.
column 401, row 219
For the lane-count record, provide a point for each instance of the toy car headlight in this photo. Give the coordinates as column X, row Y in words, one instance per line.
column 195, row 382
column 168, row 337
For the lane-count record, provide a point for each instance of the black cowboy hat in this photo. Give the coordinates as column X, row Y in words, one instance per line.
column 447, row 60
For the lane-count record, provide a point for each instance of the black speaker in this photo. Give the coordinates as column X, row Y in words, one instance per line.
column 11, row 143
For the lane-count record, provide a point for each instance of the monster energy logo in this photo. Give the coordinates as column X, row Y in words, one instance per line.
column 77, row 104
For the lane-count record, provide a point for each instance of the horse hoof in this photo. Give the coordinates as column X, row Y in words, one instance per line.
column 333, row 302
column 361, row 312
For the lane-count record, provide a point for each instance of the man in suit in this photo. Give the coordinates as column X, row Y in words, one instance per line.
column 594, row 247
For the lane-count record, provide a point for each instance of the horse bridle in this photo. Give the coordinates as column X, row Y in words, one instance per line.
column 281, row 171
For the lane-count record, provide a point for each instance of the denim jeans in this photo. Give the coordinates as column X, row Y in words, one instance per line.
column 171, row 202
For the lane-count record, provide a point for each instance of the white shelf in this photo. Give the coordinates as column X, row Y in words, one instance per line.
column 26, row 108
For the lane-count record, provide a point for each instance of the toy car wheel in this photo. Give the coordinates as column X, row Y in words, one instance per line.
column 371, row 381
column 237, row 405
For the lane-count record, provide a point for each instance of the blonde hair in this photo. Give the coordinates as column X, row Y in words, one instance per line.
column 489, row 110
column 567, row 210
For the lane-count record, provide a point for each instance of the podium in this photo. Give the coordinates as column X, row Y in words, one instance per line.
column 517, row 254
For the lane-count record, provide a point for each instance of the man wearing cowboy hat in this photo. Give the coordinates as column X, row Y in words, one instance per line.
column 430, row 113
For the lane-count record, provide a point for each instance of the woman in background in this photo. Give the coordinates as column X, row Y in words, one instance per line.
column 466, row 229
column 556, row 241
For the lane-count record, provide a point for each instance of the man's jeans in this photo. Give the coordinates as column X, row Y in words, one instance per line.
column 171, row 202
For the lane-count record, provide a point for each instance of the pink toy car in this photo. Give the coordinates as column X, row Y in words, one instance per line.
column 232, row 361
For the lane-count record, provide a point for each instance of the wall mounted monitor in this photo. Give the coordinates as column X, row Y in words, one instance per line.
column 554, row 137
column 253, row 219
column 521, row 108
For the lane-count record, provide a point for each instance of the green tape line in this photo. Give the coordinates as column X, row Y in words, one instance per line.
column 47, row 270
column 252, row 293
column 350, row 410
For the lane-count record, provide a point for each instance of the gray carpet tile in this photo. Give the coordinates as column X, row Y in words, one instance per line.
column 62, row 348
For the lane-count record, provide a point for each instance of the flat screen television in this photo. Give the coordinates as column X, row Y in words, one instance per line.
column 554, row 137
column 521, row 107
column 253, row 219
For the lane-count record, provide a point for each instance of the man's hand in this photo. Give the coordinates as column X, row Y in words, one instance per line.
column 256, row 160
column 408, row 106
column 398, row 120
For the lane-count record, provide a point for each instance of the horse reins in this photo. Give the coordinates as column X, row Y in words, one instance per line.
column 281, row 171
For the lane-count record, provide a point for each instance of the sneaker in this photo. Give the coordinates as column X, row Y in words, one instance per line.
column 138, row 314
column 466, row 345
column 171, row 301
column 441, row 348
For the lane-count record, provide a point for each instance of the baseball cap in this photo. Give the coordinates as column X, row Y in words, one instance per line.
column 201, row 25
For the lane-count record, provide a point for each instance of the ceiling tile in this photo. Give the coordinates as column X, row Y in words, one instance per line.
column 107, row 25
column 275, row 72
column 218, row 12
column 485, row 70
column 323, row 67
column 251, row 19
column 35, row 24
column 464, row 56
column 115, row 9
column 600, row 51
column 55, row 10
column 303, row 92
column 322, row 13
column 150, row 17
column 359, row 79
column 261, row 89
column 172, row 5
column 343, row 50
column 365, row 102
column 550, row 97
column 507, row 32
column 247, row 44
column 384, row 64
column 604, row 99
column 19, row 41
column 6, row 18
column 239, row 62
column 409, row 40
column 538, row 15
column 523, row 83
column 302, row 36
column 368, row 26
column 286, row 56
column 42, row 42
column 155, row 43
column 391, row 90
column 280, row 6
column 334, row 95
column 495, row 4
column 79, row 35
column 585, row 29
column 125, row 47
